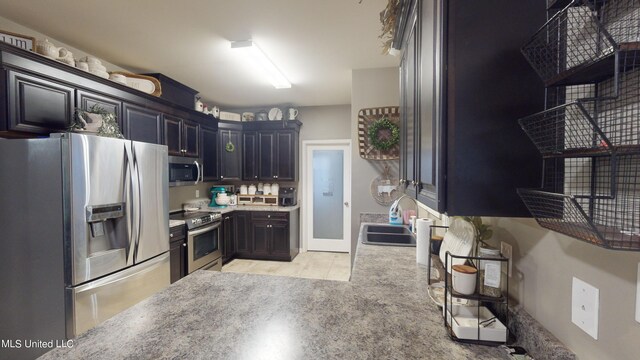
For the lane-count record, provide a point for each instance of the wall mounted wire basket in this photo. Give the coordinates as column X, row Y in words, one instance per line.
column 588, row 55
column 585, row 42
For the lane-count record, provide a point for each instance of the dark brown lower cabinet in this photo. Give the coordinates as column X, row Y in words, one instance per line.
column 228, row 237
column 265, row 235
column 260, row 239
column 177, row 253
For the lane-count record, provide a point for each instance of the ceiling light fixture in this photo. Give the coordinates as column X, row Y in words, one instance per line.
column 254, row 52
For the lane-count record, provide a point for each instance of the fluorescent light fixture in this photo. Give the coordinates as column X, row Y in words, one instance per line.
column 252, row 51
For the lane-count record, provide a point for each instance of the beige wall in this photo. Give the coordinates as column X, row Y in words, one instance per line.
column 325, row 122
column 369, row 88
column 545, row 263
column 8, row 25
column 319, row 123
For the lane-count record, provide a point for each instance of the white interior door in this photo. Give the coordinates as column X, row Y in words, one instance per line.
column 328, row 195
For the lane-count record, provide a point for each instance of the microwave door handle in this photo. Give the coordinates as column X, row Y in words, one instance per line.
column 198, row 168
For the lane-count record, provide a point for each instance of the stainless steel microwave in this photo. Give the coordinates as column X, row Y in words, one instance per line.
column 184, row 171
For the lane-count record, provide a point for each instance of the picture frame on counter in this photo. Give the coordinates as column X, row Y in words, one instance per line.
column 19, row 40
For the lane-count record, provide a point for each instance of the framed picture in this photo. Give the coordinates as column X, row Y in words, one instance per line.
column 21, row 41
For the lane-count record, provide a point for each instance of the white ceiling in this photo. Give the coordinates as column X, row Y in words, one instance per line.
column 316, row 43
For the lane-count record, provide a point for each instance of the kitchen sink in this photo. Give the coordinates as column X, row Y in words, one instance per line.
column 393, row 235
column 387, row 229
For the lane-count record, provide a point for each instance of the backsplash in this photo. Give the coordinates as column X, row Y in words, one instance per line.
column 180, row 194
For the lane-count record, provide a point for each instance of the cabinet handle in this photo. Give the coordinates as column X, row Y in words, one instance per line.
column 227, row 218
column 184, row 244
column 401, row 181
column 414, row 183
column 221, row 177
column 269, row 216
column 170, row 235
column 276, row 176
column 255, row 177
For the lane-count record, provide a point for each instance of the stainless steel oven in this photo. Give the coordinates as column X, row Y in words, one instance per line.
column 204, row 243
column 203, row 247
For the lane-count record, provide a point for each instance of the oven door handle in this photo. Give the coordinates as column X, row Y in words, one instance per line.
column 202, row 231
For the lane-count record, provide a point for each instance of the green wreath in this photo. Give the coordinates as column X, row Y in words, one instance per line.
column 374, row 134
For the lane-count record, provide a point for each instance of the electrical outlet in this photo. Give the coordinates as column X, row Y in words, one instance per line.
column 197, row 193
column 585, row 302
column 507, row 251
column 638, row 295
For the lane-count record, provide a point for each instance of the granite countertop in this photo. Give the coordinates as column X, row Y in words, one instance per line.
column 174, row 223
column 384, row 312
column 229, row 209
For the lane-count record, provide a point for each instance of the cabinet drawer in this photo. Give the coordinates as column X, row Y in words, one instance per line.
column 176, row 233
column 270, row 215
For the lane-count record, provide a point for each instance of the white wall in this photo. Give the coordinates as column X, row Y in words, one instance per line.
column 8, row 25
column 369, row 88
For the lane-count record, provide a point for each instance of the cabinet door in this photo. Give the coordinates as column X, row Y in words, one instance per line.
column 228, row 244
column 173, row 135
column 242, row 233
column 142, row 124
column 261, row 234
column 430, row 124
column 87, row 100
column 285, row 156
column 266, row 155
column 230, row 161
column 176, row 260
column 249, row 156
column 279, row 245
column 209, row 151
column 409, row 143
column 191, row 139
column 37, row 105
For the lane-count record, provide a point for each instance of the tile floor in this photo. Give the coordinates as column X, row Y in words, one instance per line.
column 310, row 265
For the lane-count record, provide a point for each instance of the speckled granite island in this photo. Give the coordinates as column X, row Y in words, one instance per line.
column 383, row 313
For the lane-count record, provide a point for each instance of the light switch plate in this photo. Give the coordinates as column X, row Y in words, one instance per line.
column 507, row 251
column 638, row 295
column 585, row 302
column 197, row 193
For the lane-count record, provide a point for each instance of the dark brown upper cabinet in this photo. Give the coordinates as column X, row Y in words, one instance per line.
column 463, row 86
column 38, row 105
column 87, row 100
column 230, row 151
column 182, row 137
column 142, row 124
column 209, row 152
column 249, row 155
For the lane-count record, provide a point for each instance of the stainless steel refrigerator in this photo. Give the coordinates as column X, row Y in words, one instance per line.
column 84, row 227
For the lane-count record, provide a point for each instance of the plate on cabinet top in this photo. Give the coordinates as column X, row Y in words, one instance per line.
column 275, row 114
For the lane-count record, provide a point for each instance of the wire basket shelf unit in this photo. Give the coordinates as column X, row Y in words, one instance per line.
column 588, row 55
column 586, row 42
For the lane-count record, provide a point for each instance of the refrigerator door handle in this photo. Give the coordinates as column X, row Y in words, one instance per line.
column 199, row 177
column 137, row 204
column 130, row 196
